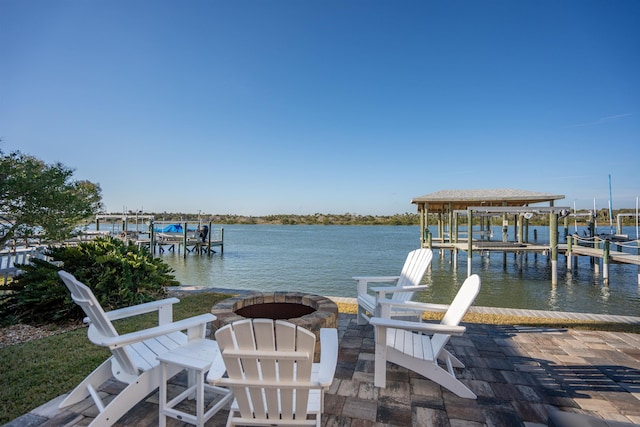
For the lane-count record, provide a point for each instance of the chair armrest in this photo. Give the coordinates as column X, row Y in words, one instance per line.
column 409, row 288
column 380, row 290
column 134, row 337
column 414, row 305
column 431, row 328
column 217, row 370
column 402, row 289
column 148, row 307
column 328, row 356
column 363, row 282
column 368, row 279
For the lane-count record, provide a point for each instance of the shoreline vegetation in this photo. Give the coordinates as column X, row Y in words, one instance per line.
column 355, row 219
column 291, row 219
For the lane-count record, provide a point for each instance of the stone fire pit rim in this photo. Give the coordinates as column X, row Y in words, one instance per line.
column 326, row 311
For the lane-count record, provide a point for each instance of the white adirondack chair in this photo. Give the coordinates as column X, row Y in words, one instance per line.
column 407, row 343
column 271, row 372
column 133, row 355
column 406, row 284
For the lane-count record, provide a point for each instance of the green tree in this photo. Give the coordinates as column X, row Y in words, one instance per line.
column 35, row 196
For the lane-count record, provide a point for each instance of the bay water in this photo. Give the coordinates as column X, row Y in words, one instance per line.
column 323, row 259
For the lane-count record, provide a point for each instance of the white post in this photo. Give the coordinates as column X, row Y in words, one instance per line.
column 553, row 242
column 469, row 242
column 605, row 263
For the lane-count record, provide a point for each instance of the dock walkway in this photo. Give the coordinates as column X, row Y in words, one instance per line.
column 539, row 314
column 563, row 248
column 605, row 255
column 614, row 256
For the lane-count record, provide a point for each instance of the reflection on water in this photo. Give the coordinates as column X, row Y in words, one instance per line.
column 322, row 260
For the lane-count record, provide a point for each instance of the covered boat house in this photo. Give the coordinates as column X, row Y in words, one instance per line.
column 454, row 213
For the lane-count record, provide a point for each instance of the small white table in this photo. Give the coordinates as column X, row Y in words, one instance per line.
column 197, row 358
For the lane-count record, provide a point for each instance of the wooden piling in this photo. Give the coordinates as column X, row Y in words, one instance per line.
column 184, row 239
column 605, row 263
column 553, row 242
column 152, row 237
column 569, row 250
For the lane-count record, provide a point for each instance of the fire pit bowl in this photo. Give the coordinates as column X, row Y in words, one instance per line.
column 309, row 311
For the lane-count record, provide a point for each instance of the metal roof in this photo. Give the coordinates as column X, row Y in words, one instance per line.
column 446, row 200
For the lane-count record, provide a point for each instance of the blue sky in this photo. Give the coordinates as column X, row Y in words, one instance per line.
column 266, row 107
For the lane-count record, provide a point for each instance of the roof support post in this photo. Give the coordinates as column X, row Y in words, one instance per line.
column 184, row 239
column 209, row 233
column 454, row 228
column 553, row 242
column 422, row 224
column 426, row 222
column 505, row 227
column 425, row 213
column 450, row 222
column 152, row 238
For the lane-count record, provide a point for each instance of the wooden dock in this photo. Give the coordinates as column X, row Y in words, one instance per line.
column 190, row 239
column 172, row 243
column 616, row 257
column 185, row 237
column 603, row 252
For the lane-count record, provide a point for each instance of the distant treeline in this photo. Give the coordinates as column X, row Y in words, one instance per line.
column 355, row 219
column 288, row 219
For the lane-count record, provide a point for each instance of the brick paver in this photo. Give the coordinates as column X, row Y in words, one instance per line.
column 518, row 373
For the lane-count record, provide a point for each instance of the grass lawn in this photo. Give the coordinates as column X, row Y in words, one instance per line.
column 34, row 372
column 37, row 371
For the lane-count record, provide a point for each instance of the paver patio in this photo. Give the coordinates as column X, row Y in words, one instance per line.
column 518, row 373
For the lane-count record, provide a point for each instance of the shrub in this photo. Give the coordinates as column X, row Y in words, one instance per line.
column 120, row 275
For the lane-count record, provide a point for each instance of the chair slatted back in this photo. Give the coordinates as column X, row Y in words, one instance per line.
column 456, row 311
column 99, row 323
column 269, row 367
column 413, row 271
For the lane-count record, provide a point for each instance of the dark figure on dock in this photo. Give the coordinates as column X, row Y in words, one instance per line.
column 204, row 230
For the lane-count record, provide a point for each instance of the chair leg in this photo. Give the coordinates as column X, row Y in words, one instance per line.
column 162, row 396
column 380, row 364
column 440, row 376
column 455, row 362
column 95, row 379
column 127, row 398
column 230, row 421
column 362, row 316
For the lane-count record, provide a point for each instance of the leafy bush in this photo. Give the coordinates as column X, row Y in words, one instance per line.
column 120, row 275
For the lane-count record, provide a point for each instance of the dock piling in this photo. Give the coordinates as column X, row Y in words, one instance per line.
column 605, row 263
column 553, row 242
column 470, row 241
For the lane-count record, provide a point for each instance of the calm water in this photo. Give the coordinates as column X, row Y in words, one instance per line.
column 322, row 260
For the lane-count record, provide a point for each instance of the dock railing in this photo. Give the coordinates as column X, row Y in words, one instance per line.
column 610, row 251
